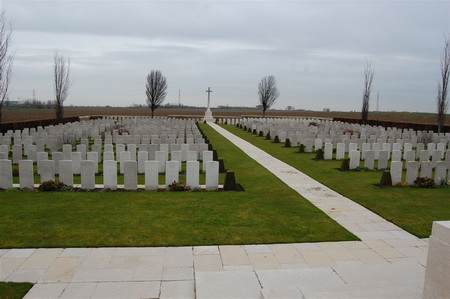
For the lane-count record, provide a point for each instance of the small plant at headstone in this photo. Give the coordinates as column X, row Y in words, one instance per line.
column 345, row 166
column 178, row 186
column 254, row 131
column 287, row 143
column 386, row 179
column 261, row 134
column 230, row 181
column 402, row 184
column 268, row 136
column 424, row 182
column 51, row 186
column 314, row 124
column 319, row 154
column 276, row 139
column 301, row 148
column 249, row 130
column 348, row 131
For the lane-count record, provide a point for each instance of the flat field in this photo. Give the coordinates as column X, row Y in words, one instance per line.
column 18, row 115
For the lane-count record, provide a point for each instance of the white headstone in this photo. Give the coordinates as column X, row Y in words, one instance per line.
column 192, row 174
column 47, row 171
column 207, row 156
column 184, row 148
column 410, row 155
column 354, row 159
column 340, row 151
column 328, row 153
column 26, row 175
column 142, row 158
column 130, row 175
column 396, row 156
column 76, row 162
column 67, row 150
column 93, row 156
column 151, row 175
column 17, row 153
column 132, row 149
column 396, row 172
column 412, row 172
column 66, row 172
column 172, row 170
column 161, row 157
column 82, row 149
column 32, row 152
column 425, row 169
column 383, row 157
column 56, row 157
column 41, row 156
column 212, row 175
column 124, row 156
column 440, row 173
column 6, row 181
column 369, row 162
column 191, row 156
column 176, row 156
column 108, row 156
column 110, row 174
column 87, row 175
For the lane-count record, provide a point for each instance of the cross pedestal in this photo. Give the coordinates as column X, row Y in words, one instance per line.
column 208, row 114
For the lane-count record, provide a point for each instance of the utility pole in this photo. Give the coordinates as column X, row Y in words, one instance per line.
column 179, row 97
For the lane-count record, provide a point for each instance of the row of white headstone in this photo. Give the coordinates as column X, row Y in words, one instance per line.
column 167, row 131
column 32, row 153
column 130, row 172
column 299, row 129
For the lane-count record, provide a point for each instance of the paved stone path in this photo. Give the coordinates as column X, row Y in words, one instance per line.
column 387, row 263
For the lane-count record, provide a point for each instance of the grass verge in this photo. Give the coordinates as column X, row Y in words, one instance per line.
column 267, row 212
column 12, row 290
column 410, row 208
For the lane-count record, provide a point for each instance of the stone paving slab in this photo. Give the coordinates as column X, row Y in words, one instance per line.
column 313, row 269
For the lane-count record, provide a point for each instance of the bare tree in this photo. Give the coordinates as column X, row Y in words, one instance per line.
column 6, row 59
column 442, row 101
column 267, row 92
column 155, row 89
column 62, row 83
column 368, row 78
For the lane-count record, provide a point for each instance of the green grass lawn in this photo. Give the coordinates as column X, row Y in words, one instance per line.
column 412, row 209
column 267, row 212
column 10, row 290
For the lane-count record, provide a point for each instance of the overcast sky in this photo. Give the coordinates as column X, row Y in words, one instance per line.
column 317, row 50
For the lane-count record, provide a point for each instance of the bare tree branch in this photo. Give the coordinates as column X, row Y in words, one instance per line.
column 268, row 93
column 155, row 89
column 6, row 59
column 62, row 83
column 368, row 78
column 442, row 101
